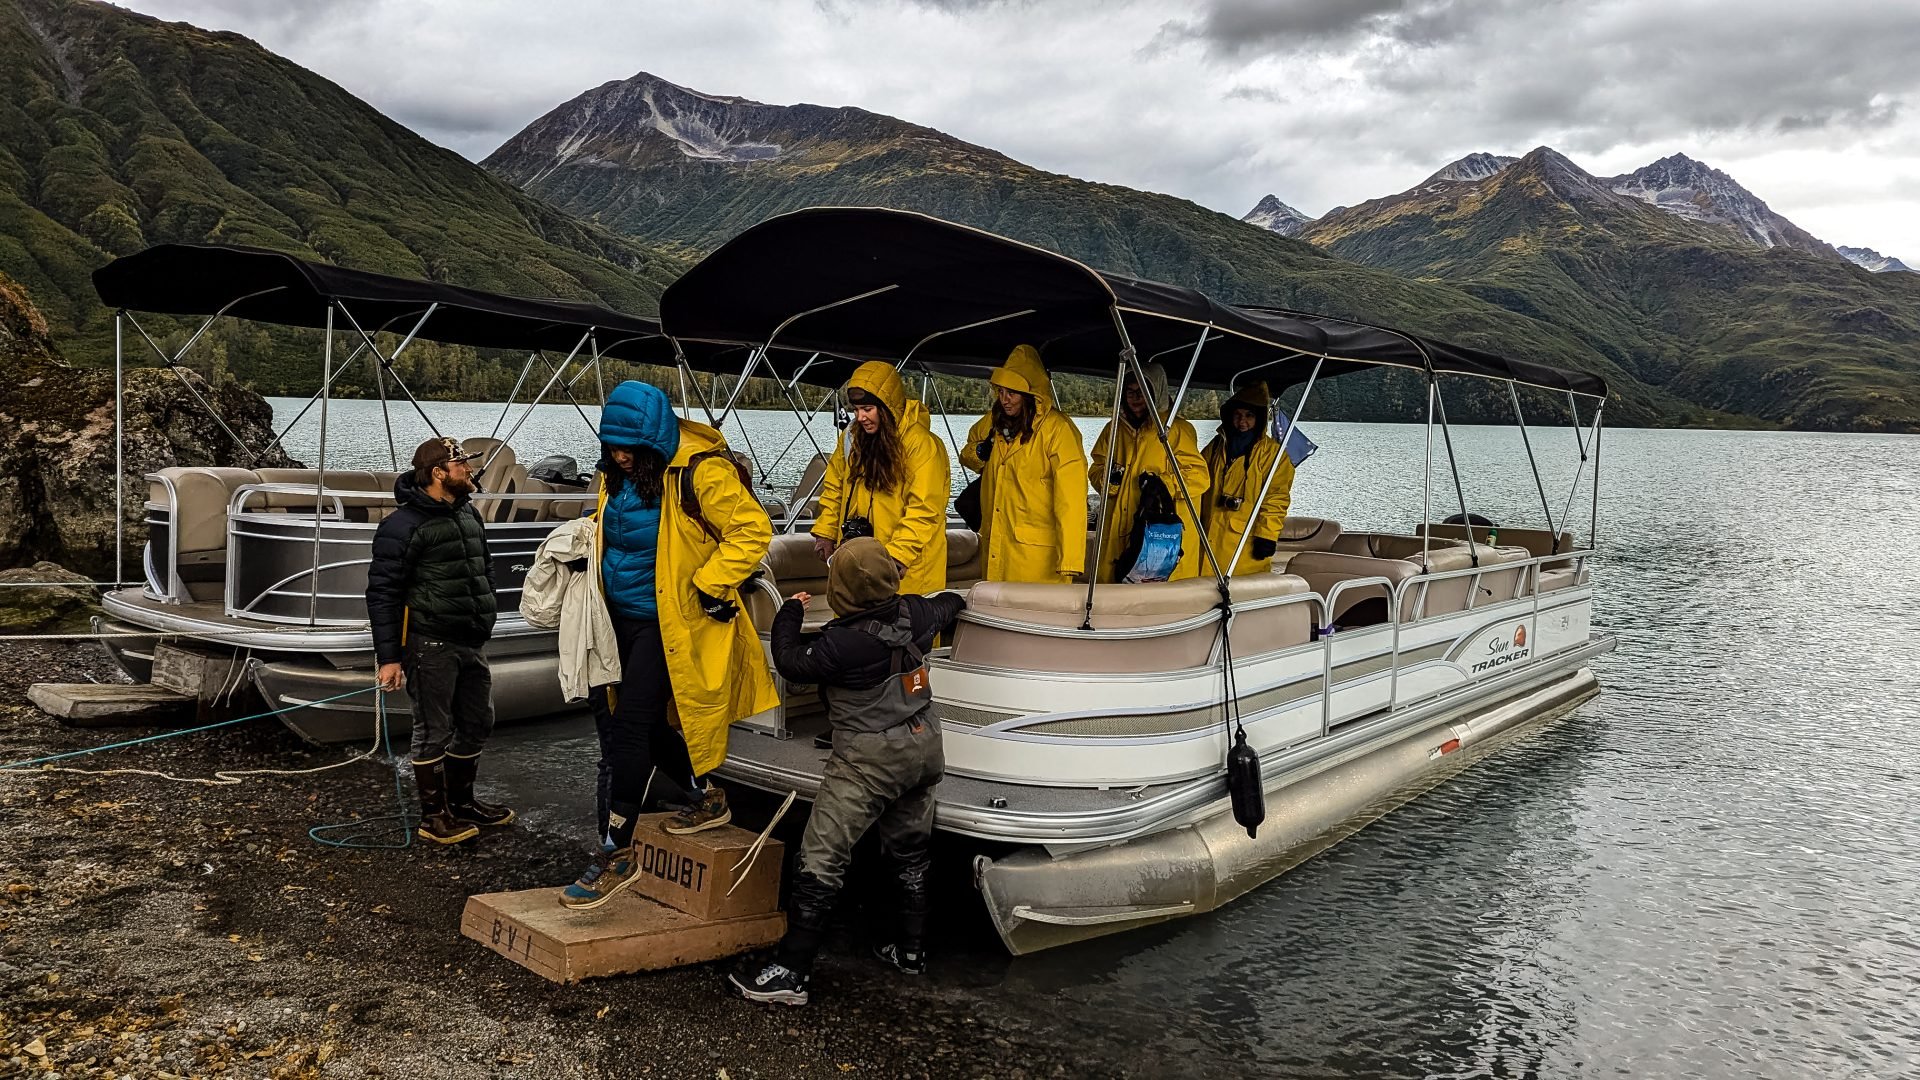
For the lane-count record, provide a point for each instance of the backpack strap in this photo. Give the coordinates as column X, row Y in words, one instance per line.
column 690, row 505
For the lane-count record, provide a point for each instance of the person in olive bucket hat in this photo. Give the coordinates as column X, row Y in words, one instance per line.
column 431, row 604
column 870, row 665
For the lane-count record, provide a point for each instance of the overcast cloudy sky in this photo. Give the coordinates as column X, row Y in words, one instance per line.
column 1814, row 106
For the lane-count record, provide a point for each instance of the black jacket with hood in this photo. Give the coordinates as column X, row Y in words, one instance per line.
column 431, row 574
column 842, row 654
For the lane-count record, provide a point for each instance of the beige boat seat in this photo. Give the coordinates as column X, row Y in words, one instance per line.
column 1559, row 574
column 805, row 495
column 1373, row 545
column 795, row 568
column 1302, row 533
column 1368, row 606
column 371, row 506
column 1359, row 606
column 498, row 472
column 1125, row 607
column 966, row 559
column 196, row 500
column 1538, row 542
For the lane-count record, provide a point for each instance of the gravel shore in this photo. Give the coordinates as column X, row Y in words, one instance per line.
column 158, row 928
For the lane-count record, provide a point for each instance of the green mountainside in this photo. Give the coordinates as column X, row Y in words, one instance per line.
column 118, row 131
column 1796, row 337
column 648, row 158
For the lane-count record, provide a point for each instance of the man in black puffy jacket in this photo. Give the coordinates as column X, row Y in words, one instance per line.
column 870, row 665
column 431, row 604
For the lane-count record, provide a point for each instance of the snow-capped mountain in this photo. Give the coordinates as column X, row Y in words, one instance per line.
column 1275, row 216
column 1471, row 167
column 1690, row 189
column 1874, row 261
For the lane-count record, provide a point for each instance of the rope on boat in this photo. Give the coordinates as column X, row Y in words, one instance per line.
column 215, row 634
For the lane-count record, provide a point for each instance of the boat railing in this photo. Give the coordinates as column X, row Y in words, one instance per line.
column 293, row 565
column 1326, row 636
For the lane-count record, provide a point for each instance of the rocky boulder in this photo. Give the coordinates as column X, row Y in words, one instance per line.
column 57, row 445
column 45, row 597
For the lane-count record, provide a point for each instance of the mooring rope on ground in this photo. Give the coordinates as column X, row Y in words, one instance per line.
column 366, row 828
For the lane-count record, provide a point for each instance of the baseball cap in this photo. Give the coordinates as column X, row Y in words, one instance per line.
column 439, row 451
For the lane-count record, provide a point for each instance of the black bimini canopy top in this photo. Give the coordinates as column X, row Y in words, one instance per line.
column 275, row 287
column 866, row 283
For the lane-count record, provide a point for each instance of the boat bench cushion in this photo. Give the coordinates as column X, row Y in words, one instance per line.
column 1322, row 570
column 1300, row 533
column 1536, row 541
column 197, row 508
column 1391, row 545
column 1121, row 606
column 1157, row 603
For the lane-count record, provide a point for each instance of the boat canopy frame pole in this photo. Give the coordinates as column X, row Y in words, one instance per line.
column 1106, row 496
column 1273, row 470
column 174, row 365
column 932, row 388
column 1520, row 418
column 599, row 368
column 405, row 341
column 119, row 453
column 537, row 398
column 1426, row 482
column 513, row 395
column 687, row 375
column 908, row 358
column 380, row 387
column 1453, row 464
column 320, row 472
column 1163, row 428
column 754, row 359
column 586, row 368
column 1193, row 361
column 788, row 389
column 341, row 370
column 387, row 361
column 1590, row 441
column 1593, row 526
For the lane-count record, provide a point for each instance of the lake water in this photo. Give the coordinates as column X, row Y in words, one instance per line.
column 1710, row 870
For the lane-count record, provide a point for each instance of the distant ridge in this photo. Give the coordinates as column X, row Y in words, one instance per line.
column 1870, row 259
column 1708, row 295
column 124, row 131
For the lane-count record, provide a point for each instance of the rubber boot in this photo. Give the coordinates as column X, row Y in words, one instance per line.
column 809, row 914
column 460, row 800
column 908, row 950
column 436, row 822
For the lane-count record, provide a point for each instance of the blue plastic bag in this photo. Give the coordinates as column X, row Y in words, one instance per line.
column 1159, row 554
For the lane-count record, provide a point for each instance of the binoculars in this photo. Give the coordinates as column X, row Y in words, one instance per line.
column 855, row 527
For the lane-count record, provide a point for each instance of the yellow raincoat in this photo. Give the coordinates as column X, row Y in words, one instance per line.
column 1137, row 452
column 1032, row 494
column 718, row 669
column 1241, row 478
column 911, row 523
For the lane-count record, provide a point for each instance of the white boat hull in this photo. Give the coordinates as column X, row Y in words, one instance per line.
column 1039, row 901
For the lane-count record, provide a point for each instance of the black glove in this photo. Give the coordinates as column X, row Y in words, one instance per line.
column 578, row 566
column 985, row 448
column 715, row 607
column 1264, row 548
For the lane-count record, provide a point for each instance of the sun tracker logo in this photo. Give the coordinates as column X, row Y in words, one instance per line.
column 1503, row 651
